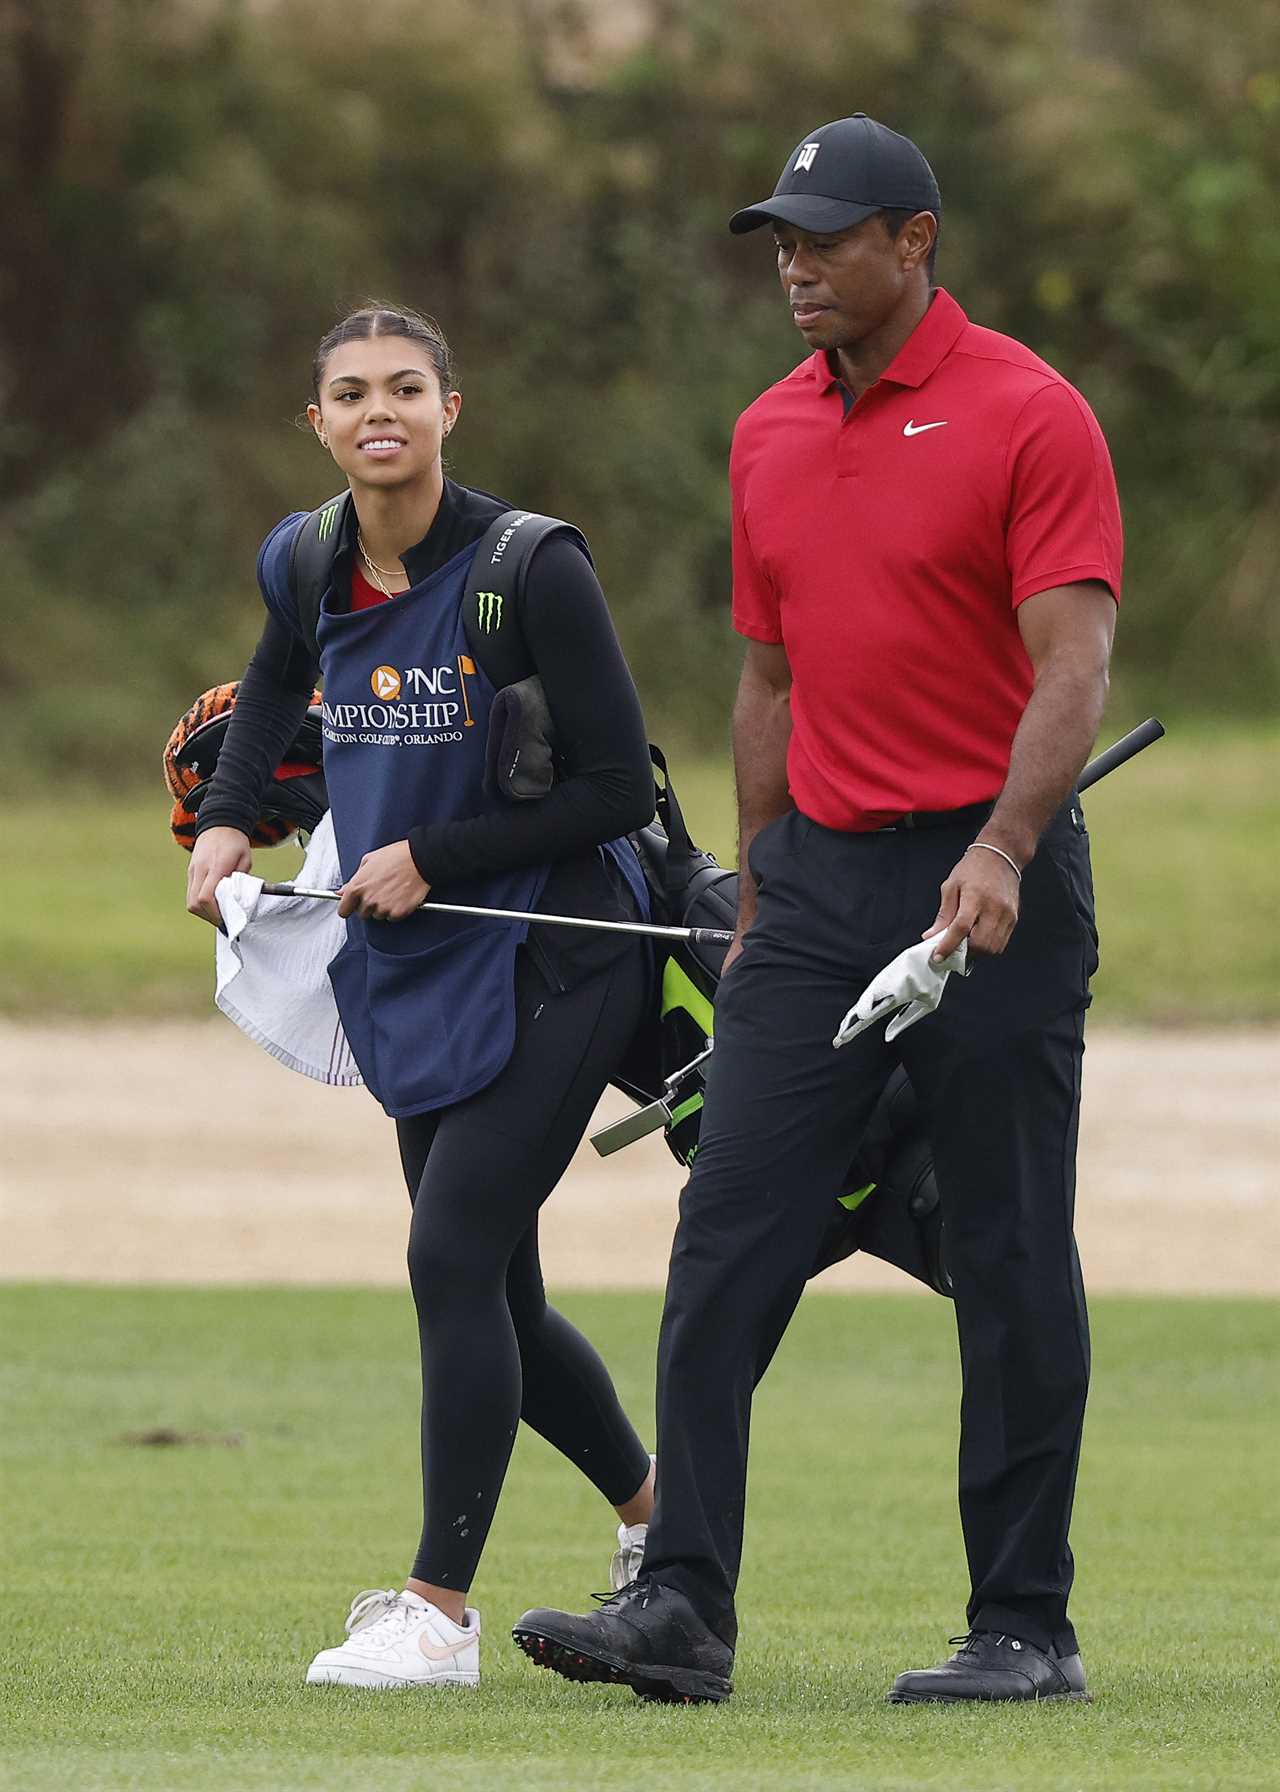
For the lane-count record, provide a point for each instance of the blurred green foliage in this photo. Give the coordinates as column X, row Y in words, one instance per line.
column 193, row 189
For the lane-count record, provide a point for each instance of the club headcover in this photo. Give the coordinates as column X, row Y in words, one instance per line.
column 295, row 798
column 519, row 761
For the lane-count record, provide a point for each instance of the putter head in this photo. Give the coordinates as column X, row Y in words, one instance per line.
column 631, row 1127
column 649, row 1119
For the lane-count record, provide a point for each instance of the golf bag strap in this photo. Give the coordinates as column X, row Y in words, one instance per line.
column 311, row 557
column 491, row 603
column 681, row 851
column 493, row 600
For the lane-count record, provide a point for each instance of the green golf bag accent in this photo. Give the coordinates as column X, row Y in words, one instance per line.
column 890, row 1206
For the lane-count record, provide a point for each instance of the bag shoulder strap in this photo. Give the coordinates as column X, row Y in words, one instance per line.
column 493, row 600
column 311, row 557
column 681, row 854
column 674, row 868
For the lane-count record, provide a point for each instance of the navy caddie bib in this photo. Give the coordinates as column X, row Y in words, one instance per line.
column 427, row 1003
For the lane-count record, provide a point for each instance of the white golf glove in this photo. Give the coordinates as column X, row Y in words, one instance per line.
column 908, row 989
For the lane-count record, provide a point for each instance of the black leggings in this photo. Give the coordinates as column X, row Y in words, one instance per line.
column 493, row 1351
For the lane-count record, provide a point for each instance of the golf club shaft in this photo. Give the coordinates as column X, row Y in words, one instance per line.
column 697, row 936
column 1107, row 761
column 1125, row 748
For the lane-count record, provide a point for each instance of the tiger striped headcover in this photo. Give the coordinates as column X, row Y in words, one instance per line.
column 187, row 768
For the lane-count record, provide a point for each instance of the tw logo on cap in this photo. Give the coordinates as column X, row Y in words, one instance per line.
column 807, row 157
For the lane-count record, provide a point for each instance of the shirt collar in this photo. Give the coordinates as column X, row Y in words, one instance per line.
column 921, row 354
column 424, row 558
column 419, row 561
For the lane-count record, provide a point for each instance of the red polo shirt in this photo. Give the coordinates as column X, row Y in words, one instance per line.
column 888, row 551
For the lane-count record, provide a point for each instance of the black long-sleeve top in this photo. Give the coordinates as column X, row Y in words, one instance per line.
column 605, row 782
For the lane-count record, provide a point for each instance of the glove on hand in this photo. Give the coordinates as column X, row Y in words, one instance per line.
column 912, row 983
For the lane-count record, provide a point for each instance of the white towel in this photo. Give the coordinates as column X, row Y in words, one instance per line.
column 272, row 964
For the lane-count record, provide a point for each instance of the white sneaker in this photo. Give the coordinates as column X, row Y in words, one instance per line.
column 399, row 1639
column 628, row 1556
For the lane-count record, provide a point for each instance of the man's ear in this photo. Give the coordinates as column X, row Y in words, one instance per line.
column 916, row 238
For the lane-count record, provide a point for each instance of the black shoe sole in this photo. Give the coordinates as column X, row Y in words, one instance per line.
column 662, row 1685
column 961, row 1698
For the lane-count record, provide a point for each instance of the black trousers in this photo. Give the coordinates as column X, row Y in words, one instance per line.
column 493, row 1351
column 997, row 1068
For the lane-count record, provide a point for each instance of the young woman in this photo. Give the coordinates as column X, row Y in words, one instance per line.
column 488, row 1048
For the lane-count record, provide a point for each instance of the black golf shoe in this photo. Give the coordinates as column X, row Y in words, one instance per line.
column 647, row 1637
column 990, row 1665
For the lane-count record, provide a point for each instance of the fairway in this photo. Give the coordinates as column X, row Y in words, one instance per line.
column 163, row 1601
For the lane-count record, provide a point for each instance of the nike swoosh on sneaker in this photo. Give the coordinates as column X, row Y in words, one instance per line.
column 442, row 1651
column 913, row 428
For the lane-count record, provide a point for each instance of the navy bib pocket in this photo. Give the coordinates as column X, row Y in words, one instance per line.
column 425, row 1038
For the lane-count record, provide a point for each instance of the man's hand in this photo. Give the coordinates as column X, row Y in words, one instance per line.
column 979, row 903
column 217, row 853
column 386, row 886
column 735, row 950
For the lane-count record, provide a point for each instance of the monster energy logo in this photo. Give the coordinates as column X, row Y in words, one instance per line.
column 490, row 610
column 328, row 517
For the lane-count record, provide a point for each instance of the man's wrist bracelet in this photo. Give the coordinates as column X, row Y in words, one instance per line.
column 986, row 846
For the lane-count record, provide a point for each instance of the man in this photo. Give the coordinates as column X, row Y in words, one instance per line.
column 926, row 565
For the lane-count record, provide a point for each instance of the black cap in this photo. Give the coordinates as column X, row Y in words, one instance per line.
column 842, row 173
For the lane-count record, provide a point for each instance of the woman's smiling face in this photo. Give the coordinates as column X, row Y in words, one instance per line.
column 381, row 412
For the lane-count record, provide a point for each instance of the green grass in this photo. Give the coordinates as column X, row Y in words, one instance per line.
column 1185, row 845
column 162, row 1603
column 94, row 922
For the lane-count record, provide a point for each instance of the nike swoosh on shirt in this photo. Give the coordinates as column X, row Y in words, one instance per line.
column 917, row 429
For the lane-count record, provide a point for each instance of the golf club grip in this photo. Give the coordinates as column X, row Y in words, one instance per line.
column 709, row 936
column 1125, row 748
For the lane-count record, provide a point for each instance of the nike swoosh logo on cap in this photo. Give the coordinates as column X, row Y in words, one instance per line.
column 917, row 429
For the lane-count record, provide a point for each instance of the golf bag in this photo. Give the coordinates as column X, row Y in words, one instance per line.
column 889, row 1206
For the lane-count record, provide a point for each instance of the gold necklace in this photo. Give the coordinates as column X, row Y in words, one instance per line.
column 380, row 573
